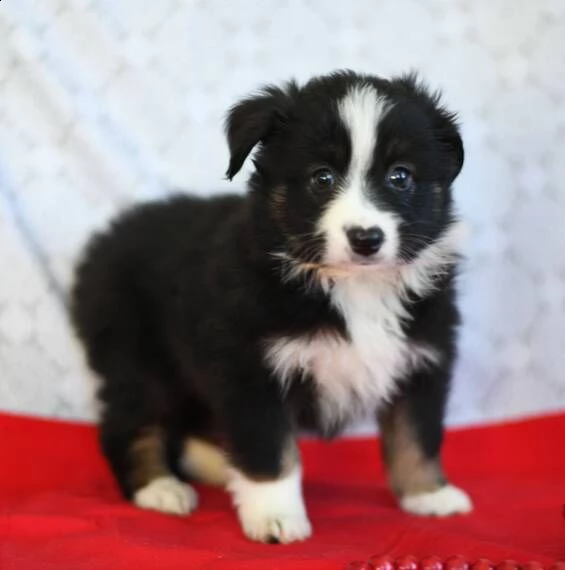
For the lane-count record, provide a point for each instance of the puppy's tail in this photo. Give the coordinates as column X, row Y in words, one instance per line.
column 205, row 462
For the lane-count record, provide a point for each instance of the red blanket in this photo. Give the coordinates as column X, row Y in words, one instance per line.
column 59, row 508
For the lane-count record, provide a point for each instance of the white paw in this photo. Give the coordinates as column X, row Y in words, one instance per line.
column 167, row 495
column 270, row 511
column 448, row 500
column 275, row 528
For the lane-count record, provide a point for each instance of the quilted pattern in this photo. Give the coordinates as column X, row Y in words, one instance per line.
column 102, row 103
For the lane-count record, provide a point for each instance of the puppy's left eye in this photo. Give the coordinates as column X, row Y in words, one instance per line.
column 399, row 178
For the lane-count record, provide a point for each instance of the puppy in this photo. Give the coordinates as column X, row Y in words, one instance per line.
column 223, row 327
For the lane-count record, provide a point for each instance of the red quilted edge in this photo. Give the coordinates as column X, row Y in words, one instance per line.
column 451, row 563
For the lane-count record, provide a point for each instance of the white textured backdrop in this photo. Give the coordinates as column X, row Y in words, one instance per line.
column 103, row 102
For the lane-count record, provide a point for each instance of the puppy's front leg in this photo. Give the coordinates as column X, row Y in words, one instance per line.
column 265, row 474
column 412, row 434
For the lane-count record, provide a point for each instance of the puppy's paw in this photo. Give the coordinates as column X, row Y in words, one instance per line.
column 270, row 511
column 276, row 528
column 167, row 495
column 448, row 500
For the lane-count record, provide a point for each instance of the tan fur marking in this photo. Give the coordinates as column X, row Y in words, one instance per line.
column 409, row 471
column 278, row 201
column 147, row 458
column 290, row 458
column 205, row 461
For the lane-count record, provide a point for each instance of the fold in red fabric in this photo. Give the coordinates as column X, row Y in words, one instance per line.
column 60, row 509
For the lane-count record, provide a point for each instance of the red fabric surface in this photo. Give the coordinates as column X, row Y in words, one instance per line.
column 59, row 507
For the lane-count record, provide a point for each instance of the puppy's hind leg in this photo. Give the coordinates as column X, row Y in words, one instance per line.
column 138, row 461
column 204, row 461
column 136, row 452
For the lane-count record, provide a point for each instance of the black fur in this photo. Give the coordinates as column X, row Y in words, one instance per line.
column 174, row 302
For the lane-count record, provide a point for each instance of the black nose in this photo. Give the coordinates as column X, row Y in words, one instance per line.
column 365, row 241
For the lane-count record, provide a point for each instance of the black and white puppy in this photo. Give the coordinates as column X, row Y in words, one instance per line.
column 325, row 293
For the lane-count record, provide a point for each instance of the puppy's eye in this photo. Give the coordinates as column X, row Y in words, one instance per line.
column 399, row 178
column 323, row 178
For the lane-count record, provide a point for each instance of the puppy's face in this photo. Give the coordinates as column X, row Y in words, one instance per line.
column 354, row 172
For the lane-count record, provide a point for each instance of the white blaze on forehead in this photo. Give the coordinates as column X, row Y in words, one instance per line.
column 361, row 111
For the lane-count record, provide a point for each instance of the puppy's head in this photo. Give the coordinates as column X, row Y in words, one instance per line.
column 352, row 172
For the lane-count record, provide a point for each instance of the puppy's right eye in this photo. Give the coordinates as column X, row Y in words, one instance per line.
column 323, row 178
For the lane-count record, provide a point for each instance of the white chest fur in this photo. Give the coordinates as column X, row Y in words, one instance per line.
column 354, row 376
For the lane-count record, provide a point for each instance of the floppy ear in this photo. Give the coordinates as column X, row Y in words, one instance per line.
column 450, row 139
column 445, row 122
column 252, row 121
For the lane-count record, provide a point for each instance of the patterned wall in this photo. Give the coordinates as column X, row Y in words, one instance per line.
column 105, row 102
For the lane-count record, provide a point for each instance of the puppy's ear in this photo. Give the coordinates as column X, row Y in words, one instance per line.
column 445, row 122
column 253, row 120
column 447, row 134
